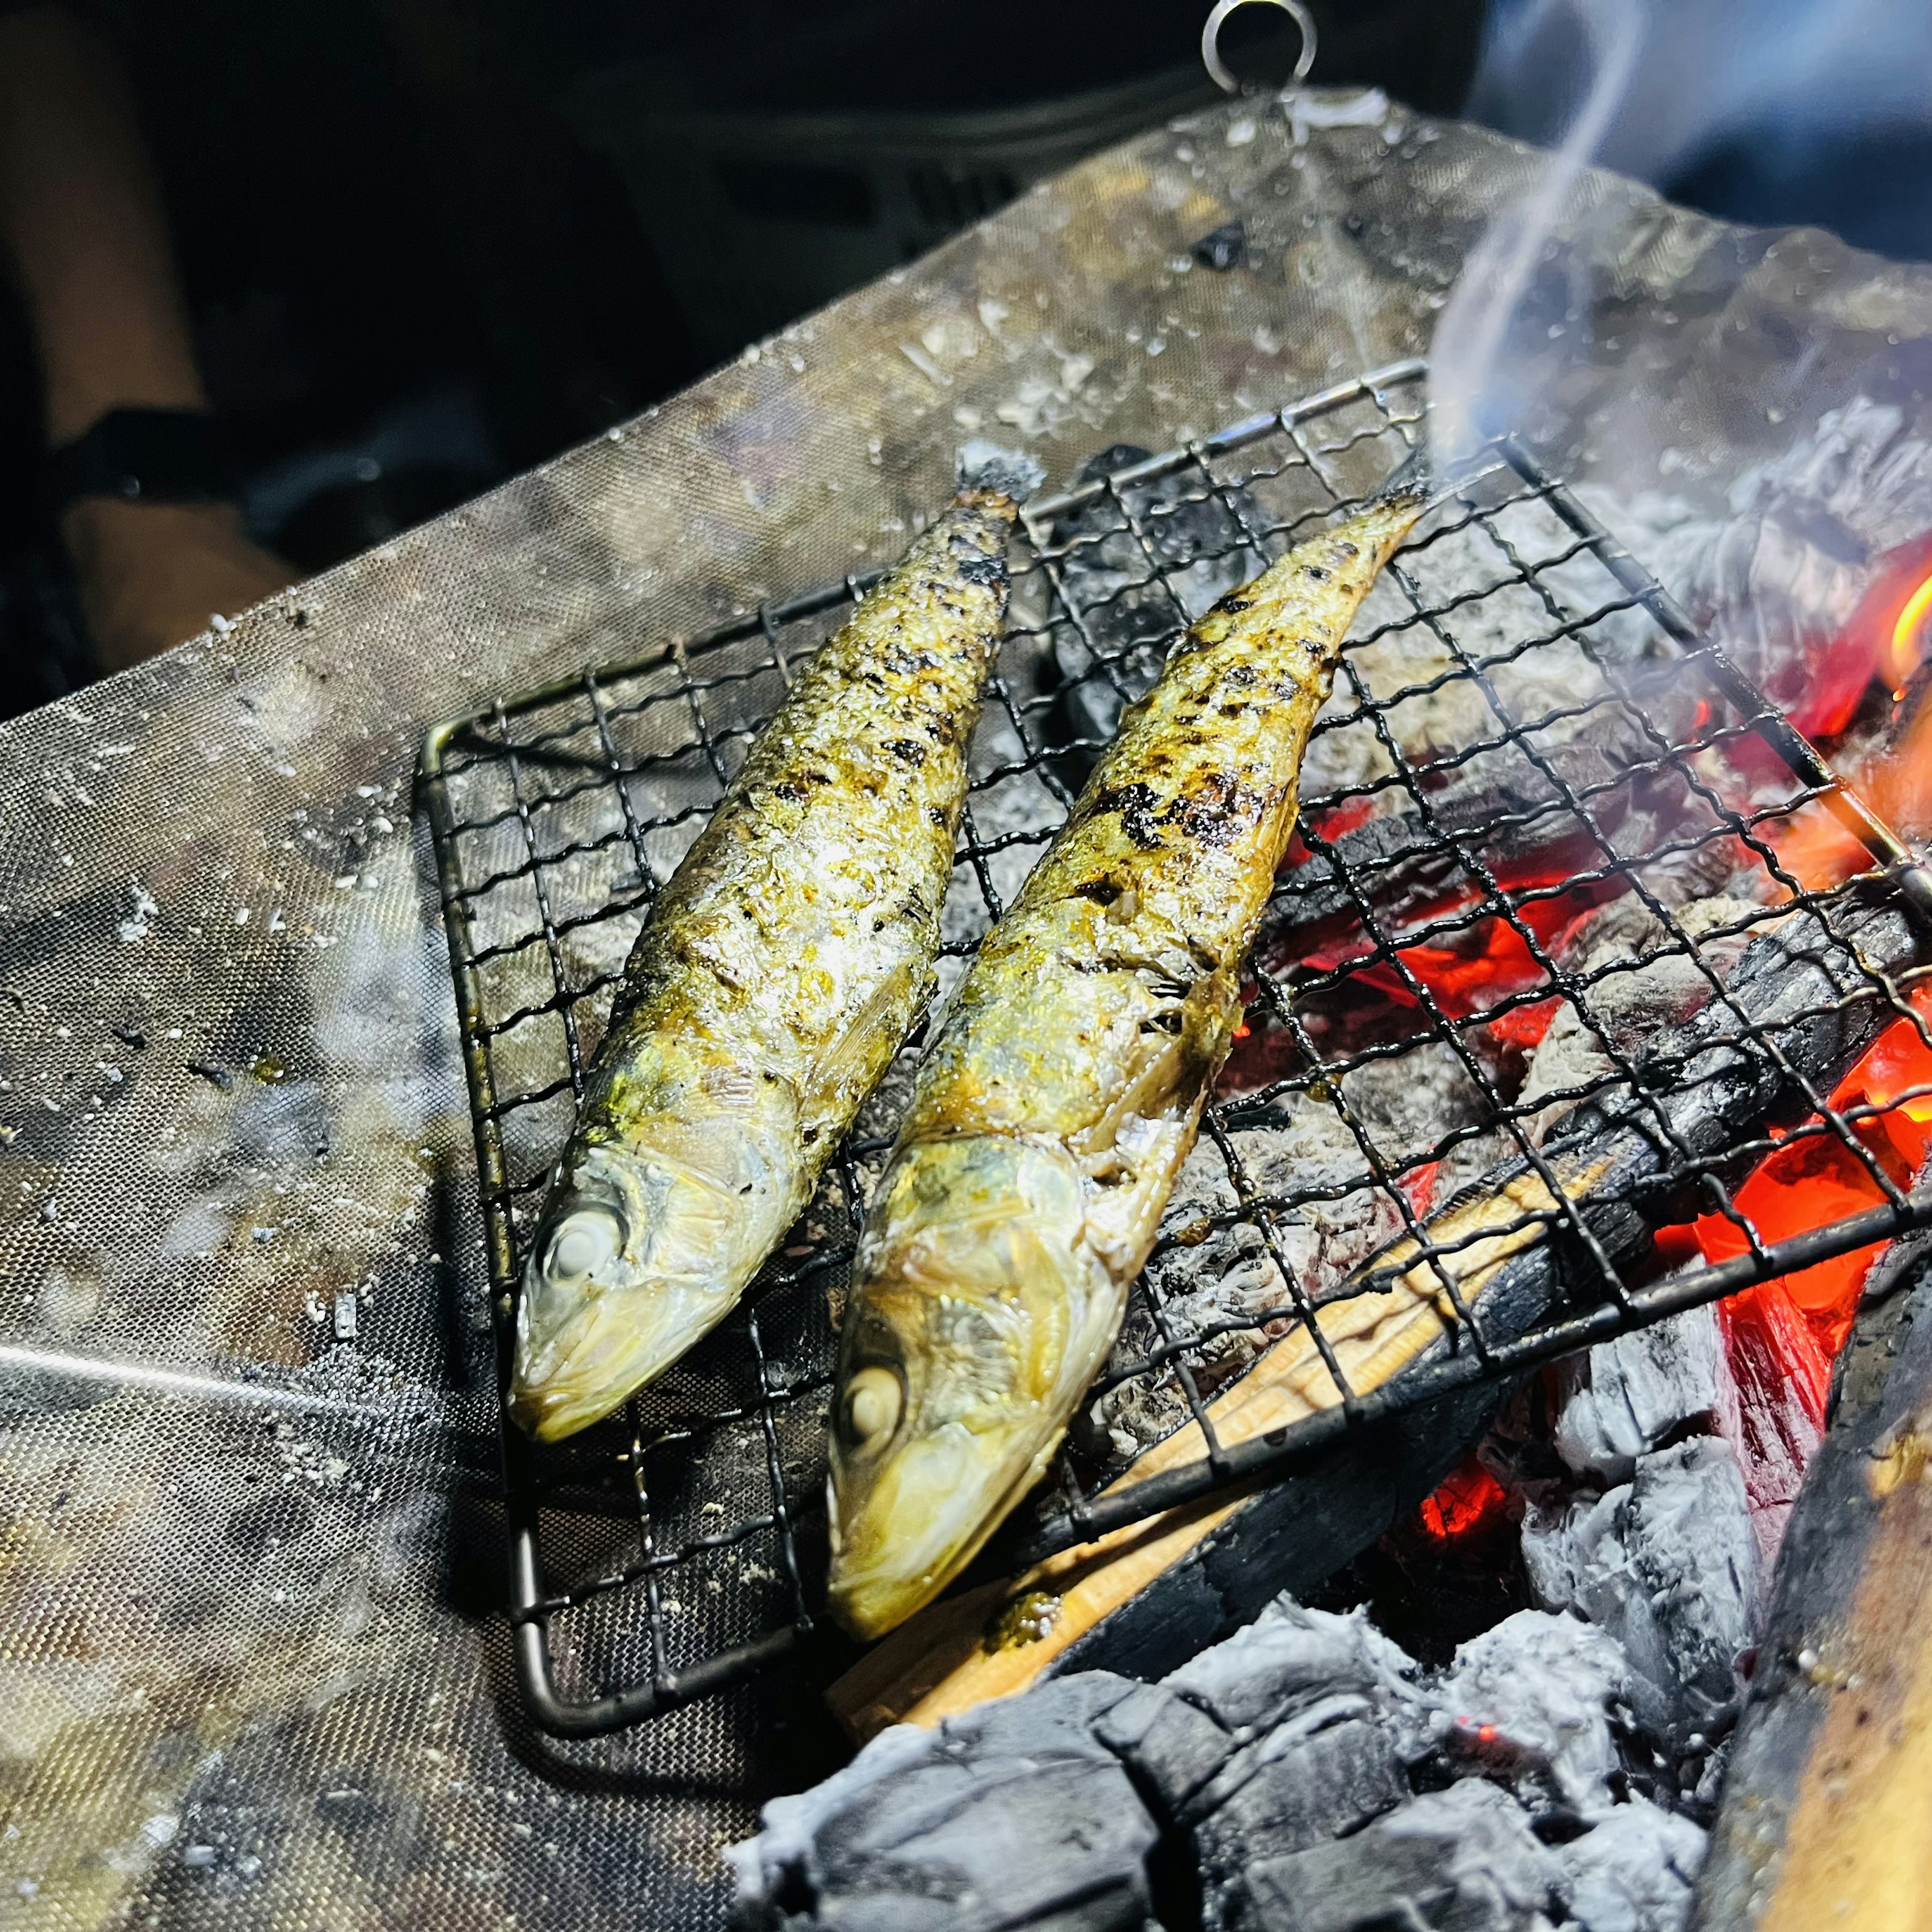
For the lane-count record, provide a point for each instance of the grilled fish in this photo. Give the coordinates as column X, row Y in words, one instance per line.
column 779, row 972
column 1066, row 1087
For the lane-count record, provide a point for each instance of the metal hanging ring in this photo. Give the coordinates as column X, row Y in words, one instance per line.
column 1210, row 42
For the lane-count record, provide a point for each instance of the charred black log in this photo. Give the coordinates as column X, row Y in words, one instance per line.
column 1522, row 824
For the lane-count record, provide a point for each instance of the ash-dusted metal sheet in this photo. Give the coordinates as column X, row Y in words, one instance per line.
column 250, row 1651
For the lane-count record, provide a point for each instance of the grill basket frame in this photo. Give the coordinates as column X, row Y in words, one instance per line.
column 775, row 1355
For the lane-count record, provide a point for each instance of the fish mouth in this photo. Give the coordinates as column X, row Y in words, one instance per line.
column 593, row 1356
column 927, row 1514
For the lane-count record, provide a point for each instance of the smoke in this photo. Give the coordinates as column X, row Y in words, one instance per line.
column 1775, row 111
column 1467, row 361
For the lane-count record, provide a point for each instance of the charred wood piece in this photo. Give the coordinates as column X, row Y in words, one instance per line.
column 1822, row 1820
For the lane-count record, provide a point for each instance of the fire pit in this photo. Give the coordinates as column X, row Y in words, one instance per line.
column 1540, row 951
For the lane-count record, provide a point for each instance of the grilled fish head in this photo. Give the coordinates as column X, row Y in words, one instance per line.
column 969, row 1337
column 642, row 1250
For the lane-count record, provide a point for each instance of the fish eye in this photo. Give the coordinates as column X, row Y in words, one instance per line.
column 586, row 1239
column 875, row 1398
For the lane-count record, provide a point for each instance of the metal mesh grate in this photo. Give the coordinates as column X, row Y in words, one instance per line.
column 1528, row 746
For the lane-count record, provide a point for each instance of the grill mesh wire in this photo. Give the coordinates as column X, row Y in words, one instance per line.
column 671, row 1550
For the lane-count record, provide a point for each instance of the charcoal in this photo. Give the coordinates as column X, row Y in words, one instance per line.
column 1311, row 1780
column 1174, row 1745
column 1629, row 1004
column 1291, row 1654
column 1808, row 533
column 1407, row 866
column 1799, row 1001
column 1328, row 1220
column 1531, row 1699
column 1293, row 1536
column 1668, row 1565
column 1463, row 1860
column 1797, row 998
column 1633, row 1872
column 1804, row 989
column 1010, row 1817
column 1225, row 1719
column 1628, row 1395
column 1268, row 1785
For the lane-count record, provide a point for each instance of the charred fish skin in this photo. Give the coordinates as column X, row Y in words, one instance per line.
column 1066, row 1087
column 779, row 971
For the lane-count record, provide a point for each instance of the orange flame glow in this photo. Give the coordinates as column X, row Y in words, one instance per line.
column 1468, row 1498
column 1906, row 649
column 1813, row 1180
column 1814, row 847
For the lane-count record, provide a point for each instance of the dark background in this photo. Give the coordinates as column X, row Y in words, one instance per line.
column 427, row 243
column 415, row 269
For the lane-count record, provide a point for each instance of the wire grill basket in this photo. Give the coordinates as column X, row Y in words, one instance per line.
column 1526, row 737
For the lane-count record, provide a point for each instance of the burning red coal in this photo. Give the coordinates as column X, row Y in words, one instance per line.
column 1783, row 1337
column 1468, row 1500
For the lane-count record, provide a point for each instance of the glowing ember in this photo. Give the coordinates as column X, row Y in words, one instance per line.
column 1469, row 1499
column 1886, row 638
column 1813, row 1180
column 1906, row 648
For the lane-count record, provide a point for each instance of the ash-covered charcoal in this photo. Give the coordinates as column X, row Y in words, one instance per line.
column 1809, row 535
column 1291, row 1779
column 1800, row 1000
column 1323, row 1719
column 1214, row 1275
column 1530, row 1701
column 1557, row 689
column 1009, row 1816
column 1463, row 1860
column 1634, row 1871
column 1668, row 1565
column 1139, row 567
column 1628, row 1003
column 1632, row 1394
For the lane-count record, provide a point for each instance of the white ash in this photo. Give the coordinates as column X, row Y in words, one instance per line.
column 1631, row 1395
column 1531, row 1698
column 1464, row 1858
column 1133, row 586
column 1634, row 1872
column 1667, row 1564
column 1300, row 1764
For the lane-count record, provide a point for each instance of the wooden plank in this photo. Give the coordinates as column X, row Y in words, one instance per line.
column 1826, row 1819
